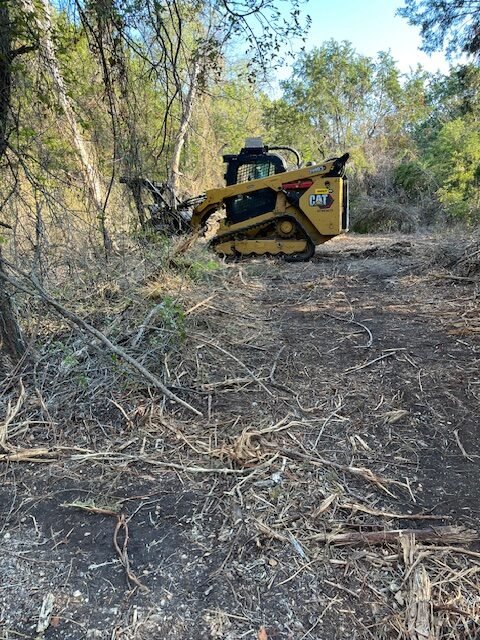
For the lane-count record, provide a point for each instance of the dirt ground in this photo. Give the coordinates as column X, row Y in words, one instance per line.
column 339, row 397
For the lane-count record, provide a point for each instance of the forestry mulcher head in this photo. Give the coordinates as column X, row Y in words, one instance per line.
column 166, row 215
column 270, row 209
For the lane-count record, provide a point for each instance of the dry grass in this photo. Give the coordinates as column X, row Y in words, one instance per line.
column 320, row 391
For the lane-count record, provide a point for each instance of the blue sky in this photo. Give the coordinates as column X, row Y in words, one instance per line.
column 372, row 26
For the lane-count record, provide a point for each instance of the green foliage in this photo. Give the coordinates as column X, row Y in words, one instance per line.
column 413, row 140
column 415, row 177
column 199, row 265
column 172, row 318
column 455, row 159
column 448, row 144
column 331, row 89
column 223, row 119
column 236, row 112
column 202, row 269
column 338, row 100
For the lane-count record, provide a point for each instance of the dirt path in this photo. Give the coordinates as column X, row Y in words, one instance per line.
column 340, row 396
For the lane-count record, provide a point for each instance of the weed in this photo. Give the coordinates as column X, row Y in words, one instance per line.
column 172, row 318
column 198, row 264
column 201, row 269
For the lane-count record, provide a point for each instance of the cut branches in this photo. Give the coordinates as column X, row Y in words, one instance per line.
column 75, row 320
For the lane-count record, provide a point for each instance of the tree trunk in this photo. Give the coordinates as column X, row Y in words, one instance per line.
column 47, row 50
column 5, row 74
column 11, row 339
column 174, row 171
column 106, row 40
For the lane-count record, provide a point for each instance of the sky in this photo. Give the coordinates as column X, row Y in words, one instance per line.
column 371, row 26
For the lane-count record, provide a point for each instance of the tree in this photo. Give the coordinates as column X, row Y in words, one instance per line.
column 41, row 17
column 11, row 339
column 454, row 158
column 456, row 94
column 339, row 100
column 185, row 45
column 450, row 24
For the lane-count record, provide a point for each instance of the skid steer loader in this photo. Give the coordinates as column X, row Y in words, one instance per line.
column 268, row 208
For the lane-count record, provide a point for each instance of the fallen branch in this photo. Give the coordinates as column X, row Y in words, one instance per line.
column 45, row 615
column 200, row 304
column 359, row 472
column 354, row 506
column 121, row 549
column 11, row 413
column 209, row 343
column 359, row 324
column 156, row 309
column 79, row 322
column 90, row 508
column 442, row 534
column 370, row 362
column 462, row 448
column 112, row 456
column 418, row 611
column 29, row 455
column 122, row 553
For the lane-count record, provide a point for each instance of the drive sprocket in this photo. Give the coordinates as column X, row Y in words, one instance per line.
column 285, row 228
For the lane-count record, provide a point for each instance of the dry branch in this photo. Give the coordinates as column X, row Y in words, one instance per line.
column 29, row 455
column 359, row 472
column 113, row 457
column 122, row 525
column 370, row 362
column 418, row 613
column 233, row 357
column 11, row 413
column 442, row 534
column 419, row 610
column 354, row 506
column 359, row 324
column 156, row 309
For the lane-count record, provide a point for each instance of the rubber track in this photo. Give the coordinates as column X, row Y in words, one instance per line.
column 289, row 257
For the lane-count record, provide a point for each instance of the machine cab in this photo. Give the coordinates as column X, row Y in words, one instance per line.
column 252, row 163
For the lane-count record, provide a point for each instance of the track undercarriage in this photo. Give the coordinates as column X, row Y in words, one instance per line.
column 283, row 236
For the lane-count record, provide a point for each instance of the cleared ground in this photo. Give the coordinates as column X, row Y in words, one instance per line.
column 339, row 397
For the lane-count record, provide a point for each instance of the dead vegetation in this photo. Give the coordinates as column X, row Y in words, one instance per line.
column 374, row 214
column 461, row 260
column 328, row 489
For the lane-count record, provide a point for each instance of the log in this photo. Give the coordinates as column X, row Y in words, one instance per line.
column 418, row 615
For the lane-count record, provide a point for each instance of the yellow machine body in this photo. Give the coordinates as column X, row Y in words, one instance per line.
column 310, row 206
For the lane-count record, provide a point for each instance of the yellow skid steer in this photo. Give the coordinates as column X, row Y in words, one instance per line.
column 269, row 209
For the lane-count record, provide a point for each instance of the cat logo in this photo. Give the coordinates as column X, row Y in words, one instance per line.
column 321, row 200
